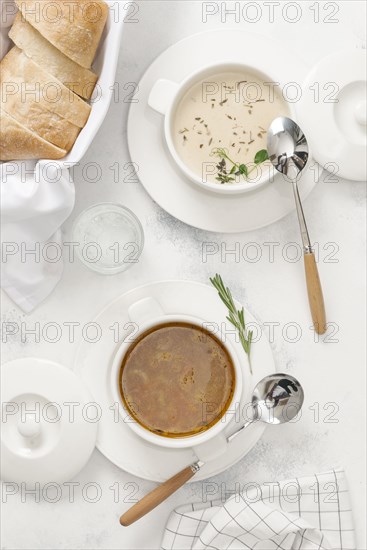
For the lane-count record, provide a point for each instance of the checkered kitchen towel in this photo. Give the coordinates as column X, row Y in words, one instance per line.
column 309, row 513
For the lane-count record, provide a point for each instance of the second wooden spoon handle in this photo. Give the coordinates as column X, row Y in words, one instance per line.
column 315, row 296
column 158, row 495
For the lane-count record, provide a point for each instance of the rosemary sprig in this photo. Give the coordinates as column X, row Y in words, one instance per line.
column 235, row 316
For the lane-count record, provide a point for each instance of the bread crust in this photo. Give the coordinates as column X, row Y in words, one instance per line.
column 80, row 80
column 50, row 126
column 18, row 142
column 75, row 28
column 20, row 75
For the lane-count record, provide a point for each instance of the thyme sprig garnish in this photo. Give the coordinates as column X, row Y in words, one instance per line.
column 237, row 169
column 235, row 316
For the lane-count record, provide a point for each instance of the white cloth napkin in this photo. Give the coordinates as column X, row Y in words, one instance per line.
column 310, row 513
column 36, row 198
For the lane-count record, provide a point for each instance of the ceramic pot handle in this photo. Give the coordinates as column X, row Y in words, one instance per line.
column 315, row 296
column 157, row 496
column 162, row 94
column 145, row 310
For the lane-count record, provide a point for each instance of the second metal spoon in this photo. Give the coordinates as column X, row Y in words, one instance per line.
column 276, row 399
column 288, row 151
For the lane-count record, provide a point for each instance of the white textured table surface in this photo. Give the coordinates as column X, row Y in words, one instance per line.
column 333, row 372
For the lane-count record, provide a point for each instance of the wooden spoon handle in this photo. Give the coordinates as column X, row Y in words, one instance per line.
column 158, row 495
column 315, row 296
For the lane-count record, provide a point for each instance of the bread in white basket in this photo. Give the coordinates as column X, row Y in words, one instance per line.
column 74, row 28
column 19, row 142
column 80, row 80
column 20, row 75
column 39, row 75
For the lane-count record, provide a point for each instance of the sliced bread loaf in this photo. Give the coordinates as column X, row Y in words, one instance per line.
column 80, row 80
column 75, row 28
column 17, row 142
column 19, row 74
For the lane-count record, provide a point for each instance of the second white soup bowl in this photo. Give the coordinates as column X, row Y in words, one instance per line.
column 147, row 313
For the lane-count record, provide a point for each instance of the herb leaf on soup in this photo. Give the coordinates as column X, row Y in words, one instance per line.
column 261, row 156
column 237, row 169
column 243, row 169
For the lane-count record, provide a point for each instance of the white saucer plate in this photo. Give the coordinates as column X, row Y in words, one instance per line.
column 157, row 171
column 93, row 364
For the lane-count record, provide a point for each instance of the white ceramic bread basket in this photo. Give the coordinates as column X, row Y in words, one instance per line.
column 104, row 65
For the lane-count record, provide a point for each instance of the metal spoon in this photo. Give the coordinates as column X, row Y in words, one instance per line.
column 288, row 151
column 276, row 399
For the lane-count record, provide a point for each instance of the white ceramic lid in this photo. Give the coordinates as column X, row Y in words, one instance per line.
column 332, row 113
column 48, row 430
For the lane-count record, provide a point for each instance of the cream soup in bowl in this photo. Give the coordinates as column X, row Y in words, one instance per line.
column 216, row 125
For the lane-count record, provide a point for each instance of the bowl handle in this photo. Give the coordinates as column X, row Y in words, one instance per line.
column 162, row 94
column 145, row 310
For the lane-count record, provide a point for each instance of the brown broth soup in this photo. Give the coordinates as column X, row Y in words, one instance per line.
column 177, row 380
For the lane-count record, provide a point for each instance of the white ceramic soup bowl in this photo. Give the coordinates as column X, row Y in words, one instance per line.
column 166, row 96
column 146, row 314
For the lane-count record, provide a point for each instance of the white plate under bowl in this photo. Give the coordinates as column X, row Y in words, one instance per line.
column 93, row 364
column 158, row 173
